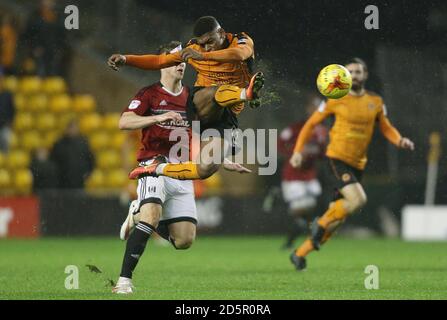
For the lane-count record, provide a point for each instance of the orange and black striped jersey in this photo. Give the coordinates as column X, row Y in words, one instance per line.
column 227, row 66
column 351, row 133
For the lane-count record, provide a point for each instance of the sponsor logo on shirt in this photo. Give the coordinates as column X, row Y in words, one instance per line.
column 134, row 104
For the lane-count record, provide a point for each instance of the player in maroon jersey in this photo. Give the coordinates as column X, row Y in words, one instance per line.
column 164, row 205
column 300, row 187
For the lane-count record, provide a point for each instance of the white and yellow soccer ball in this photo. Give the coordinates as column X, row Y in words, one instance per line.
column 334, row 81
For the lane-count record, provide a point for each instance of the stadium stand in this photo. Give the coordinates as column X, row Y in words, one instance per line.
column 44, row 107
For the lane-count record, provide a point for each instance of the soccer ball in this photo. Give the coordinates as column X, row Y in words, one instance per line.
column 334, row 81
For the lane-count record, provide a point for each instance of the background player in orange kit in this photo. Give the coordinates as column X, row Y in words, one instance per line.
column 223, row 62
column 355, row 117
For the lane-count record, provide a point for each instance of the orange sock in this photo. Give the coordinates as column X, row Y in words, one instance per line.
column 305, row 248
column 227, row 95
column 335, row 213
column 181, row 171
column 326, row 237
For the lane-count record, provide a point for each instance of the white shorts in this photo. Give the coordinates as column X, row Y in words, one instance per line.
column 301, row 194
column 175, row 196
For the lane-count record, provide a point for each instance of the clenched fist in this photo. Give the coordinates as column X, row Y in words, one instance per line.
column 116, row 60
column 189, row 53
column 296, row 160
column 406, row 143
column 170, row 115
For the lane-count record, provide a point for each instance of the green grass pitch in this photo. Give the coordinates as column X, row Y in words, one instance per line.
column 224, row 268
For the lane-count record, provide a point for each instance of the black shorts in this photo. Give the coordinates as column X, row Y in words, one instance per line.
column 227, row 120
column 342, row 175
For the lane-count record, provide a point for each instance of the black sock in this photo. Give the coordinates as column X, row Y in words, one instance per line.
column 135, row 247
column 298, row 227
column 163, row 230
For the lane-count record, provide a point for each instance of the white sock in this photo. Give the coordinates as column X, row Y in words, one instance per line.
column 243, row 94
column 160, row 167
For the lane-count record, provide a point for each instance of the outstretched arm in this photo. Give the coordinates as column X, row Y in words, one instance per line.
column 392, row 134
column 239, row 53
column 305, row 135
column 147, row 62
column 307, row 130
column 131, row 121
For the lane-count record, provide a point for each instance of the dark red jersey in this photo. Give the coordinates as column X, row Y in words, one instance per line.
column 313, row 150
column 154, row 100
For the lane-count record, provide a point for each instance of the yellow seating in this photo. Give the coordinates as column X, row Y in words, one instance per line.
column 10, row 83
column 23, row 181
column 54, row 85
column 2, row 160
column 14, row 142
column 46, row 122
column 5, row 178
column 30, row 140
column 116, row 179
column 130, row 160
column 62, row 120
column 18, row 159
column 49, row 138
column 84, row 103
column 99, row 140
column 20, row 102
column 89, row 123
column 108, row 160
column 30, row 85
column 44, row 110
column 23, row 121
column 60, row 103
column 110, row 121
column 95, row 180
column 37, row 103
column 117, row 140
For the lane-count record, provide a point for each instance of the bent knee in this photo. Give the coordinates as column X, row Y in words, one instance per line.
column 182, row 244
column 357, row 203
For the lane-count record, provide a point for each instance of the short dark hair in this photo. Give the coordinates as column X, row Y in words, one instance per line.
column 168, row 47
column 205, row 24
column 359, row 61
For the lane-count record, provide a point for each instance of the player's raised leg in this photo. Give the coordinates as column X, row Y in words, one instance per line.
column 226, row 96
column 150, row 214
column 201, row 169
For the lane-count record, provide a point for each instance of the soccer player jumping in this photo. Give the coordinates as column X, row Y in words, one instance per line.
column 224, row 84
column 355, row 117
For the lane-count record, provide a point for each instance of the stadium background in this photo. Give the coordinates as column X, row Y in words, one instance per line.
column 293, row 40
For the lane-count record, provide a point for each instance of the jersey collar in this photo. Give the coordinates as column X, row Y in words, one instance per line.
column 170, row 92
